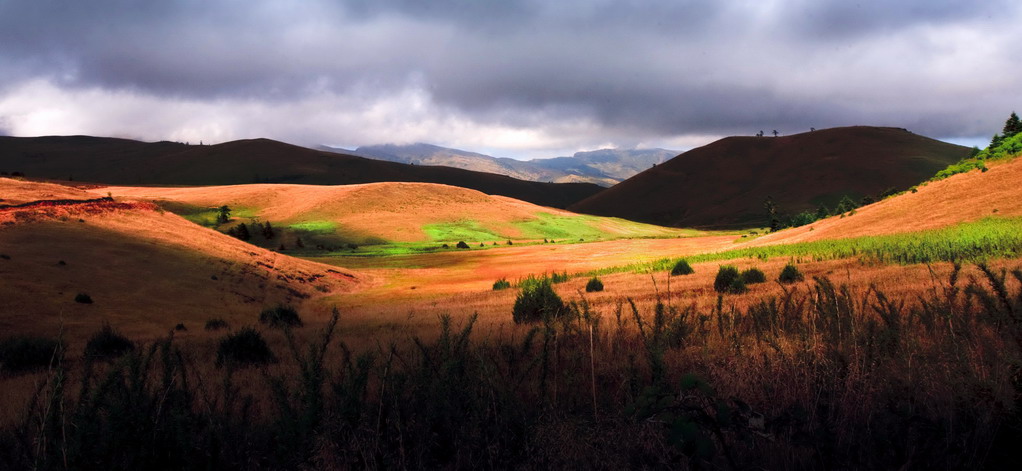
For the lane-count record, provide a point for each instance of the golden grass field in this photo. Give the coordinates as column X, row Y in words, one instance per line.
column 148, row 270
column 147, row 260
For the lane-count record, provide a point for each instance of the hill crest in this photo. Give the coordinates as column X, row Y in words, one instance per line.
column 725, row 183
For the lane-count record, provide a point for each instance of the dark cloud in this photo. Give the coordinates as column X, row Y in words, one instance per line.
column 632, row 70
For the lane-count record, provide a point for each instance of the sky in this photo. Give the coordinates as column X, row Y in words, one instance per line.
column 515, row 78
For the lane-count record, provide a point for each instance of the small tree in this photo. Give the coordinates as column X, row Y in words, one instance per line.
column 822, row 212
column 268, row 231
column 753, row 276
column 771, row 209
column 790, row 274
column 242, row 348
column 280, row 316
column 846, row 204
column 223, row 215
column 996, row 141
column 594, row 284
column 501, row 284
column 242, row 232
column 462, row 245
column 681, row 267
column 537, row 301
column 729, row 280
column 1012, row 126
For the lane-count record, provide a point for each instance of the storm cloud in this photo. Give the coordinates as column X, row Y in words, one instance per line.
column 512, row 77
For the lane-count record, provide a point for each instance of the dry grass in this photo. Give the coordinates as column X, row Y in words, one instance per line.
column 961, row 198
column 395, row 212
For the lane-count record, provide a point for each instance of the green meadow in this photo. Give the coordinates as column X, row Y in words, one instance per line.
column 975, row 241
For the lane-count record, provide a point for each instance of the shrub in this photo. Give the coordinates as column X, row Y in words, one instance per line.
column 537, row 301
column 108, row 343
column 280, row 317
column 22, row 354
column 682, row 268
column 216, row 324
column 180, row 327
column 501, row 284
column 790, row 274
column 594, row 284
column 728, row 280
column 462, row 245
column 559, row 277
column 83, row 298
column 753, row 276
column 244, row 347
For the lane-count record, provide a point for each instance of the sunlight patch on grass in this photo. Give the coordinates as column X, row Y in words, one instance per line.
column 967, row 242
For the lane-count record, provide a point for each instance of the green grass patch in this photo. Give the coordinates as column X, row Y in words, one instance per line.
column 316, row 227
column 967, row 242
column 460, row 230
column 1007, row 149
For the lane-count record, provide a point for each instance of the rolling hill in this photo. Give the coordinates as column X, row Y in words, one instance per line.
column 387, row 213
column 127, row 162
column 605, row 167
column 965, row 197
column 145, row 270
column 725, row 184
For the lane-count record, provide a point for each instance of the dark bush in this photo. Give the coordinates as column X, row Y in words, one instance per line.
column 790, row 274
column 83, row 298
column 22, row 354
column 108, row 343
column 501, row 284
column 180, row 327
column 753, row 276
column 280, row 317
column 594, row 284
column 216, row 324
column 728, row 280
column 559, row 277
column 536, row 301
column 462, row 245
column 682, row 268
column 244, row 347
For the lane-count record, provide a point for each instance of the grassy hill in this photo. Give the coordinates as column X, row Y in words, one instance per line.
column 990, row 191
column 146, row 270
column 127, row 162
column 725, row 183
column 416, row 214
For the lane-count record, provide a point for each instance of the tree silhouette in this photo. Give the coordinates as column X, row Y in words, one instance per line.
column 223, row 214
column 775, row 133
column 771, row 209
column 1012, row 126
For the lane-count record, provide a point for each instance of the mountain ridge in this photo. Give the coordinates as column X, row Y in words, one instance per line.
column 127, row 162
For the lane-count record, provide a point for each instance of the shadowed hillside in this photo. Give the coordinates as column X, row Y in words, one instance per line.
column 143, row 269
column 126, row 162
column 725, row 183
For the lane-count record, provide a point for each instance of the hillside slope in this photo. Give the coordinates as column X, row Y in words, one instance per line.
column 126, row 162
column 960, row 198
column 725, row 183
column 146, row 270
column 392, row 212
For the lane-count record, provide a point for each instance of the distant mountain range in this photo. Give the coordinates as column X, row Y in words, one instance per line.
column 128, row 162
column 604, row 167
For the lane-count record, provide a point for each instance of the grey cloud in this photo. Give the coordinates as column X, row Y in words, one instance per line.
column 647, row 69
